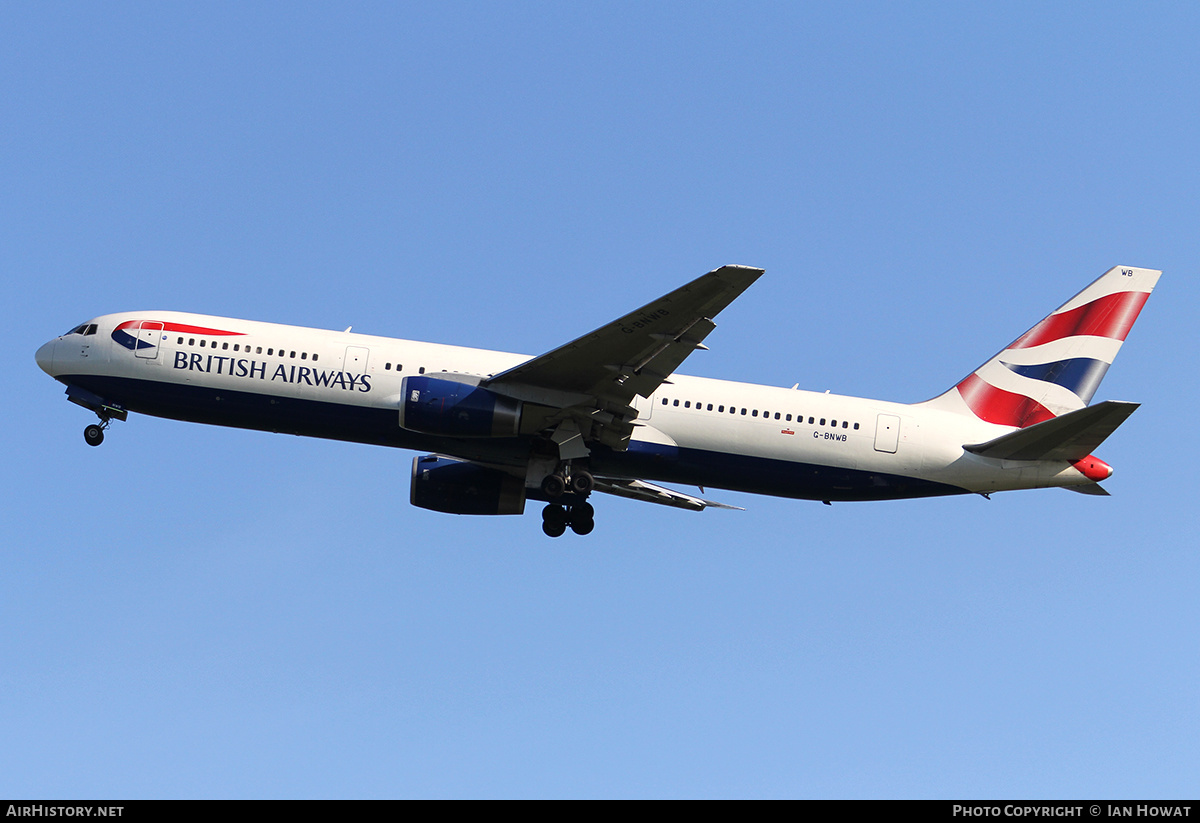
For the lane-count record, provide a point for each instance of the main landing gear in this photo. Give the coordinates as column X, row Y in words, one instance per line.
column 557, row 517
column 568, row 503
column 580, row 483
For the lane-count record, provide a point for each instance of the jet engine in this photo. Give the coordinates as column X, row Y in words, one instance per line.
column 432, row 405
column 457, row 487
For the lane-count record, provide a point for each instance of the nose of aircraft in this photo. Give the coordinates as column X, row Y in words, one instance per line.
column 45, row 357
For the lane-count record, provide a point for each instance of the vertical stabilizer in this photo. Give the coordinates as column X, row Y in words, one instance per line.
column 1056, row 366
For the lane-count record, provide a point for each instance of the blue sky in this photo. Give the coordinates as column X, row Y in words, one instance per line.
column 201, row 612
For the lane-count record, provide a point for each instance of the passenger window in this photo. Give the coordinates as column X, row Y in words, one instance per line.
column 304, row 356
column 710, row 406
column 292, row 355
column 754, row 413
column 315, row 357
column 833, row 423
column 776, row 415
column 387, row 367
column 224, row 346
column 687, row 404
column 269, row 351
column 743, row 412
column 675, row 402
column 236, row 347
column 844, row 424
column 259, row 351
column 856, row 427
column 422, row 371
column 810, row 420
column 822, row 421
column 664, row 401
column 721, row 409
column 181, row 341
column 789, row 418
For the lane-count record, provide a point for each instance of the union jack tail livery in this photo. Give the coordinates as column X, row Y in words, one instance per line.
column 1056, row 367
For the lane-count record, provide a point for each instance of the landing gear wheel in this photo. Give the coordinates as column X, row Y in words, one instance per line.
column 554, row 486
column 582, row 483
column 94, row 435
column 554, row 520
column 582, row 511
column 582, row 525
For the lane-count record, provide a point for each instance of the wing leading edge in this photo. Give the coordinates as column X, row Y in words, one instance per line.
column 634, row 354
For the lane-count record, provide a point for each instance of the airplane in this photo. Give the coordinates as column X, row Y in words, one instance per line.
column 608, row 413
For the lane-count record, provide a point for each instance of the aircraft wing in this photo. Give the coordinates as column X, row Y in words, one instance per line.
column 594, row 378
column 650, row 493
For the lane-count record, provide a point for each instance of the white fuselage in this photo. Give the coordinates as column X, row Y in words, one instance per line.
column 692, row 430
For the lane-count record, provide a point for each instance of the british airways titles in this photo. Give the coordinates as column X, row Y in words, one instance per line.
column 284, row 373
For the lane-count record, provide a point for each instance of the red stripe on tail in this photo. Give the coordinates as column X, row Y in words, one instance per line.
column 999, row 406
column 1108, row 316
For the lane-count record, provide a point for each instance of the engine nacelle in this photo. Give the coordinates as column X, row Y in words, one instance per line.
column 456, row 487
column 434, row 406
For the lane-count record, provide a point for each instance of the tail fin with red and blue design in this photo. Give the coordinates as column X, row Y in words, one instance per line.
column 1056, row 367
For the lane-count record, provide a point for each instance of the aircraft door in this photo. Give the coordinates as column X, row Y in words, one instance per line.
column 355, row 361
column 887, row 433
column 149, row 336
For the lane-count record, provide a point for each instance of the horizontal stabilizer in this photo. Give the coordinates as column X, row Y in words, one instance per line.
column 1070, row 437
column 650, row 493
column 1090, row 488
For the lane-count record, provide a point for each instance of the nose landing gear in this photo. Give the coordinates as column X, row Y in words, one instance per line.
column 94, row 434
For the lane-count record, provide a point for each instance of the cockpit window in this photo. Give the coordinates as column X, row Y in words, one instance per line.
column 83, row 328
